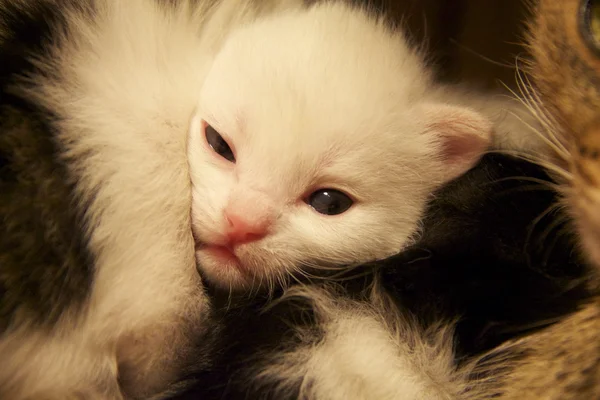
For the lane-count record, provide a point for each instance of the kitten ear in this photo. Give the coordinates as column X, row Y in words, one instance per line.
column 463, row 135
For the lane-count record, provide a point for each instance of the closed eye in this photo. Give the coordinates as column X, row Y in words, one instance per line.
column 218, row 144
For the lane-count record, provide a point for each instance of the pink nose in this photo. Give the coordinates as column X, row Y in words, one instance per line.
column 245, row 229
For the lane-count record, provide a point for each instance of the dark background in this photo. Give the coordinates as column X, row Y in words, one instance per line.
column 490, row 28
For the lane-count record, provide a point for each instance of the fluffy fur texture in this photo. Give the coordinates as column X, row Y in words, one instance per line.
column 97, row 271
column 361, row 115
column 384, row 331
column 568, row 101
column 563, row 360
column 97, row 276
column 319, row 343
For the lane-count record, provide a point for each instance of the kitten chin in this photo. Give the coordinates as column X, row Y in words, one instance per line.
column 222, row 267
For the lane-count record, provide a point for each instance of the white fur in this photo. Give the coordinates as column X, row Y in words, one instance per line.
column 324, row 98
column 126, row 86
column 368, row 351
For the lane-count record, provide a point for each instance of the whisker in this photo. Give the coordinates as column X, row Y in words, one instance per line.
column 295, row 278
column 525, row 88
column 541, row 182
column 550, row 209
column 558, row 148
column 254, row 286
column 537, row 103
column 313, row 265
column 354, row 276
column 324, row 268
column 539, row 161
column 339, row 271
column 481, row 56
column 534, row 110
column 282, row 278
column 558, row 220
column 530, row 98
column 528, row 188
column 270, row 284
column 229, row 297
column 555, row 226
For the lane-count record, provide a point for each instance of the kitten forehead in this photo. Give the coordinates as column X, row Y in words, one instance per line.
column 326, row 87
column 328, row 73
column 330, row 59
column 327, row 97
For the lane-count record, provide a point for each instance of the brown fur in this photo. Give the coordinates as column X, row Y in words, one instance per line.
column 558, row 363
column 566, row 73
column 563, row 361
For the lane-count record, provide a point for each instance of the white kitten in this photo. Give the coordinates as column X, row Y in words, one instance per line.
column 318, row 138
column 308, row 100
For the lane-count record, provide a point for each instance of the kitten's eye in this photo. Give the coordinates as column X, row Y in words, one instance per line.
column 329, row 201
column 218, row 144
column 590, row 23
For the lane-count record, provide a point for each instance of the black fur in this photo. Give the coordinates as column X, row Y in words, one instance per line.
column 481, row 257
column 45, row 267
column 493, row 254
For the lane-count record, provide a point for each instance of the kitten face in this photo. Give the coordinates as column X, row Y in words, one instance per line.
column 565, row 42
column 315, row 144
